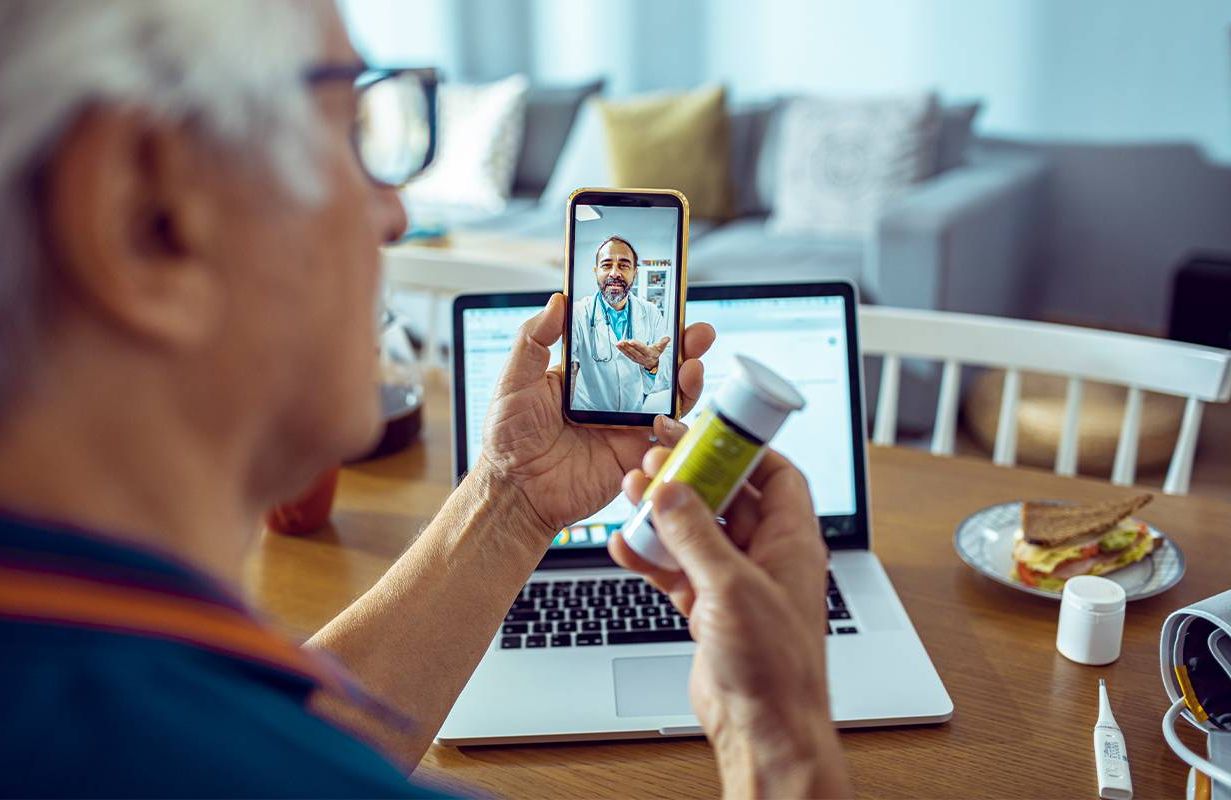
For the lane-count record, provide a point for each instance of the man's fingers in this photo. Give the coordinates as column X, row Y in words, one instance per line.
column 531, row 349
column 698, row 338
column 786, row 541
column 743, row 515
column 634, row 349
column 686, row 527
column 668, row 431
column 692, row 382
column 653, row 459
column 638, row 353
column 634, row 485
column 673, row 584
column 662, row 344
column 771, row 463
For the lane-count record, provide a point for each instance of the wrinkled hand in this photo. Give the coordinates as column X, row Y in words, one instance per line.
column 646, row 355
column 568, row 472
column 754, row 596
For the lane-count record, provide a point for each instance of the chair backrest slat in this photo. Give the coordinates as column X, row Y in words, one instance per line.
column 1199, row 374
column 944, row 432
column 1066, row 452
column 1005, row 452
column 886, row 430
column 1124, row 468
column 1180, row 472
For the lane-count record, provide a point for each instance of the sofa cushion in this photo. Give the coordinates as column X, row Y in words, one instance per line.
column 956, row 131
column 841, row 160
column 527, row 219
column 550, row 113
column 745, row 251
column 582, row 162
column 750, row 126
column 677, row 140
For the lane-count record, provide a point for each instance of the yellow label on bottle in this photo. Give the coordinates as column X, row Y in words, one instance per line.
column 711, row 458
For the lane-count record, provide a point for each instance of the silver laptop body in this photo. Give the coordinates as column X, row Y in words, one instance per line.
column 591, row 652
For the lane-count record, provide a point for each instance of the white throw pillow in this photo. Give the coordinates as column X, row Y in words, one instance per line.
column 583, row 161
column 840, row 161
column 480, row 135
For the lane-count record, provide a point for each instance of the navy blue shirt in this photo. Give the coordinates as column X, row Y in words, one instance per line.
column 91, row 712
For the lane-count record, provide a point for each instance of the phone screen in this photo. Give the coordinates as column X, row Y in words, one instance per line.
column 624, row 296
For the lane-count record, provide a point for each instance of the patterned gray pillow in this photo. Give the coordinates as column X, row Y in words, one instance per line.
column 841, row 160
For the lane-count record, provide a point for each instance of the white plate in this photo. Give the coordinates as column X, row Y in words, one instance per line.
column 985, row 542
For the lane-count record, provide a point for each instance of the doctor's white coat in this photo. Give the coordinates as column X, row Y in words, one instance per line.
column 606, row 379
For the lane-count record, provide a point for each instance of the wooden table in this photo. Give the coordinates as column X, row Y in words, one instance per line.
column 1024, row 714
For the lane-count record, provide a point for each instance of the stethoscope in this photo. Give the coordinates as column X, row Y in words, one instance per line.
column 607, row 350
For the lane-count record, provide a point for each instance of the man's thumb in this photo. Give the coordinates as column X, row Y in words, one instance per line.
column 686, row 527
column 531, row 347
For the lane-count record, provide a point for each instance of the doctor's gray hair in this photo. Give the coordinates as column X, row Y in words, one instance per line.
column 622, row 241
column 231, row 68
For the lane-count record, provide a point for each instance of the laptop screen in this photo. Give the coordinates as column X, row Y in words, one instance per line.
column 803, row 338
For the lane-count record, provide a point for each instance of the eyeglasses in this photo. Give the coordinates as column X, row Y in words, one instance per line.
column 394, row 135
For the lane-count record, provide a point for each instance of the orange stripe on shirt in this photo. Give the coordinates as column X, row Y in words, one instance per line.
column 50, row 597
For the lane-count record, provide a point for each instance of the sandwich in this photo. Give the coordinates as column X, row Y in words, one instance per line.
column 1058, row 542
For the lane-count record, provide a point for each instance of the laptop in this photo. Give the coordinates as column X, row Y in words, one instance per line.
column 591, row 651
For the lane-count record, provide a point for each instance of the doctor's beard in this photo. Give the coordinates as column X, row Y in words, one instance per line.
column 615, row 289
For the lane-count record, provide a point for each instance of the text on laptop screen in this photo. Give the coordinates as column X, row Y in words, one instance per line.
column 801, row 338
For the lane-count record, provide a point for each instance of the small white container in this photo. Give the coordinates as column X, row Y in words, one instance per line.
column 1091, row 620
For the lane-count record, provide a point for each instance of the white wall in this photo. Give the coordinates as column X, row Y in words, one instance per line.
column 1085, row 70
column 1082, row 72
column 401, row 33
column 1088, row 70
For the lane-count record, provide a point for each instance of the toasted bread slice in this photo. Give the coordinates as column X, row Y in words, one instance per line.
column 1049, row 525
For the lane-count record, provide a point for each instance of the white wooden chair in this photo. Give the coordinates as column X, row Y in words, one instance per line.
column 1199, row 374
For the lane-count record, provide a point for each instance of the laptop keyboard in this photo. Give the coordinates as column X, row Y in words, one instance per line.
column 595, row 611
column 840, row 619
column 589, row 612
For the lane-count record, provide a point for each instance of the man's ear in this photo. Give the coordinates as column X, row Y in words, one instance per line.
column 129, row 218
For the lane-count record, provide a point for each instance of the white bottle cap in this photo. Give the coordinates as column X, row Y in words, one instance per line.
column 1092, row 593
column 756, row 398
column 1091, row 625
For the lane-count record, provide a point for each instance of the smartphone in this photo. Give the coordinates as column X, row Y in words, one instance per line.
column 625, row 279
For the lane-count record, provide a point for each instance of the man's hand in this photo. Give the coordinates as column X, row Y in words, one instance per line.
column 647, row 355
column 568, row 472
column 754, row 596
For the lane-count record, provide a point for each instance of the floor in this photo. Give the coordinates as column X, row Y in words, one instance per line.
column 1211, row 470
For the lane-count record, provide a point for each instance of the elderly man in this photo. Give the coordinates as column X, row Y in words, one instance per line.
column 621, row 352
column 190, row 263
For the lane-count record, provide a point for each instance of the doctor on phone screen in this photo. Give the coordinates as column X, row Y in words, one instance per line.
column 621, row 353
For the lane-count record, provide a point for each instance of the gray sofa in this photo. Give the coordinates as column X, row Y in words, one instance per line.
column 959, row 240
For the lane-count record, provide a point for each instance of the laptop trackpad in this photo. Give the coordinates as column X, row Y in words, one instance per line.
column 652, row 686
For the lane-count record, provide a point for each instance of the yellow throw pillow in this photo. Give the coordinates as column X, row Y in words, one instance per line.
column 673, row 141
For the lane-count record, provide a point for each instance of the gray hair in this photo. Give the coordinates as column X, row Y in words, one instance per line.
column 232, row 67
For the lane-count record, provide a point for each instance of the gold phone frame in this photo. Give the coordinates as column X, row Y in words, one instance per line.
column 682, row 297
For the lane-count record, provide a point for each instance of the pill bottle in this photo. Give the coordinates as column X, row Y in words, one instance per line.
column 1091, row 620
column 723, row 446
